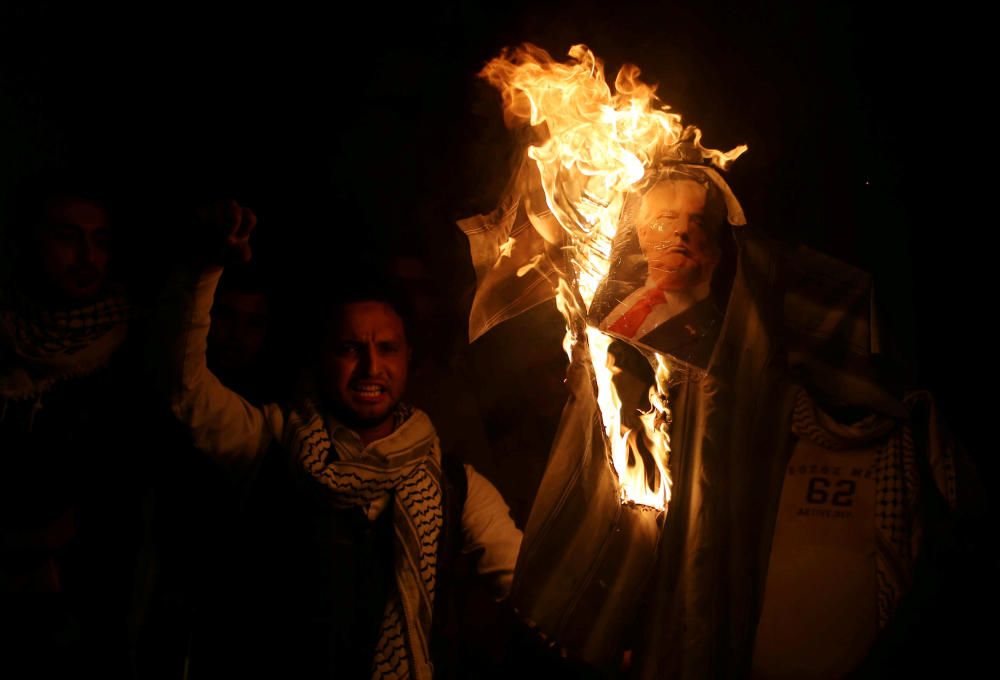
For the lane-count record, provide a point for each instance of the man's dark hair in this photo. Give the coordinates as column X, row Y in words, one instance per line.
column 387, row 291
column 36, row 193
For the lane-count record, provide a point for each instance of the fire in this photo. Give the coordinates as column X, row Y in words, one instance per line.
column 600, row 144
column 637, row 484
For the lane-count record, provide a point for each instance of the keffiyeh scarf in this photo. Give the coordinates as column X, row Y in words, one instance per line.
column 405, row 467
column 897, row 487
column 39, row 346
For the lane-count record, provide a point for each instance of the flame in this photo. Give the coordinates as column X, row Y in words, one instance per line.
column 600, row 145
column 636, row 483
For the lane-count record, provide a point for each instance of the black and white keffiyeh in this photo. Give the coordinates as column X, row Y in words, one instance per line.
column 405, row 466
column 39, row 346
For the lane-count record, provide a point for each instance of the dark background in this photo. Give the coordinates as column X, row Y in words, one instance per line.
column 361, row 129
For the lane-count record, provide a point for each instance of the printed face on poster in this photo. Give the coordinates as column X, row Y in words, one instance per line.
column 666, row 253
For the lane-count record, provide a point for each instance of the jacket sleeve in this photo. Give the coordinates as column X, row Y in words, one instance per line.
column 487, row 529
column 221, row 422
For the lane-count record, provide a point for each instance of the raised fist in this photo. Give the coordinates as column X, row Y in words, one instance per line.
column 228, row 226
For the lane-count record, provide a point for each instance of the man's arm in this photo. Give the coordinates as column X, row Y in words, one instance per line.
column 221, row 422
column 487, row 528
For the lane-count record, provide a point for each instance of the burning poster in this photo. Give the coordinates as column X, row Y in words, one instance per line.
column 620, row 213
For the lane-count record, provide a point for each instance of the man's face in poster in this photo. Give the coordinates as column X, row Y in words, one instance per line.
column 658, row 292
column 679, row 252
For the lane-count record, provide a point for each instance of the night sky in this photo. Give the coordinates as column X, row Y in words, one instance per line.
column 356, row 133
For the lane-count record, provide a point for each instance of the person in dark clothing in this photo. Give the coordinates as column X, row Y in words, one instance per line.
column 357, row 518
column 199, row 534
column 72, row 447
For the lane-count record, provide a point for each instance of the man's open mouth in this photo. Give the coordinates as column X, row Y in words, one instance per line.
column 369, row 391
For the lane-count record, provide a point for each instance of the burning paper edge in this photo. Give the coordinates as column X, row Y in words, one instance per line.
column 626, row 458
column 621, row 443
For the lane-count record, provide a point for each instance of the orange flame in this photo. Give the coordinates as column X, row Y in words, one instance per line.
column 599, row 146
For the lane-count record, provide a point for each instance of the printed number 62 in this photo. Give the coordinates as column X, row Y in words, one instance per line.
column 842, row 496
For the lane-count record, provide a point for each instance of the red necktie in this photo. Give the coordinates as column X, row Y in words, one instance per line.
column 629, row 322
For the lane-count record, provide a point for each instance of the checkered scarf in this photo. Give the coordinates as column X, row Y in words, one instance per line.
column 898, row 486
column 39, row 346
column 406, row 466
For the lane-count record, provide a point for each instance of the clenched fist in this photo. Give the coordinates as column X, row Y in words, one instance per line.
column 228, row 226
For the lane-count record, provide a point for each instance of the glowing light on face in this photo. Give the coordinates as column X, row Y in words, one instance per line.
column 365, row 365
